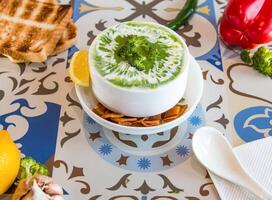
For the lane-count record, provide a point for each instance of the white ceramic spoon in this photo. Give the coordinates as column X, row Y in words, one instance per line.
column 214, row 151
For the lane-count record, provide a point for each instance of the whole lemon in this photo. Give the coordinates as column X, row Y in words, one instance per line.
column 9, row 161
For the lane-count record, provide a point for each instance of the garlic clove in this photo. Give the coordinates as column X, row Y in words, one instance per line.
column 38, row 194
column 53, row 189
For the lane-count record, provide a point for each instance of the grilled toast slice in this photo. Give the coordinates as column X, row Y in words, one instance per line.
column 30, row 30
column 69, row 36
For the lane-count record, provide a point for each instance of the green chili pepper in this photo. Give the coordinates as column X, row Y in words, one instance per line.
column 183, row 16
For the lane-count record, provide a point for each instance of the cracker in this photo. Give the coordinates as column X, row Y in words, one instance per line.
column 156, row 120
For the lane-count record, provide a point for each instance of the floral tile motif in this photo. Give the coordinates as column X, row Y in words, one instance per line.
column 144, row 153
column 254, row 123
column 45, row 139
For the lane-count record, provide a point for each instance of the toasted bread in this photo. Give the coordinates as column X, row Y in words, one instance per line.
column 69, row 36
column 30, row 30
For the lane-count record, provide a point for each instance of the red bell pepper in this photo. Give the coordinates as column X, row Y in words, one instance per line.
column 247, row 23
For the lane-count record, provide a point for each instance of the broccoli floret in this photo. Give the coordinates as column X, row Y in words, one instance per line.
column 30, row 167
column 246, row 57
column 261, row 60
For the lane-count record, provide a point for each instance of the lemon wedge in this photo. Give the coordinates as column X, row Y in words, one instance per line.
column 79, row 69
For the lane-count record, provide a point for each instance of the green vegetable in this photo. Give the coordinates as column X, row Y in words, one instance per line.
column 30, row 167
column 261, row 60
column 139, row 52
column 246, row 57
column 183, row 16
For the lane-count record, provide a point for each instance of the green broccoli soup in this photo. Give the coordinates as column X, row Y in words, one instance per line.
column 138, row 54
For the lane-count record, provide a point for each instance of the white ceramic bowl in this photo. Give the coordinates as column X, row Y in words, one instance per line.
column 192, row 97
column 139, row 102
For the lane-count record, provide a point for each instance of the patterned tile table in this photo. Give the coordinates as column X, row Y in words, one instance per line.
column 39, row 107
